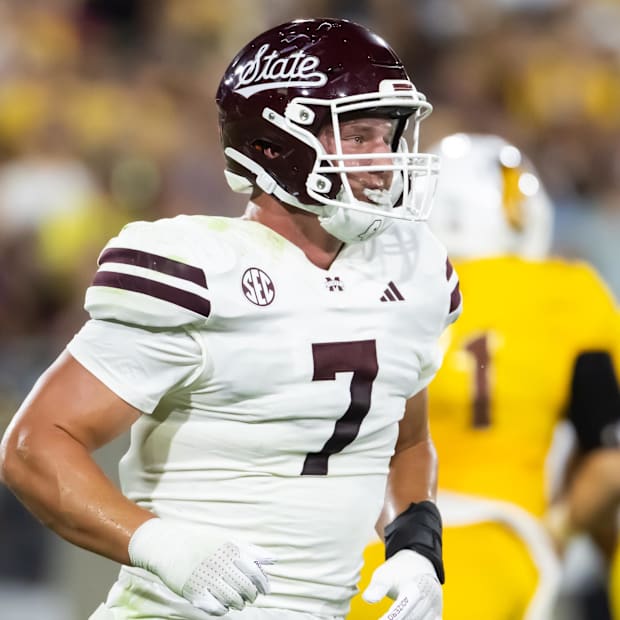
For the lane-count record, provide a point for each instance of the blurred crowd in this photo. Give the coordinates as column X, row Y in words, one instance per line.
column 107, row 115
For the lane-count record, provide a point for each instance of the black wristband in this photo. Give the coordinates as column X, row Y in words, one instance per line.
column 419, row 529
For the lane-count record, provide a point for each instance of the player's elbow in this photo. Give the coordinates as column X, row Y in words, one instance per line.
column 19, row 455
column 14, row 451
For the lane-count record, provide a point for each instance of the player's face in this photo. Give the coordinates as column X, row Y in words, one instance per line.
column 364, row 136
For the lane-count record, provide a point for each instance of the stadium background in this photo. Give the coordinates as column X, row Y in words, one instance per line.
column 107, row 115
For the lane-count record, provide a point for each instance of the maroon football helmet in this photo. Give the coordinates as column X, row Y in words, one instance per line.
column 287, row 84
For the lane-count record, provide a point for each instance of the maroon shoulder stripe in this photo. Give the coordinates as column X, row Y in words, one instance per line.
column 449, row 268
column 174, row 295
column 156, row 263
column 455, row 298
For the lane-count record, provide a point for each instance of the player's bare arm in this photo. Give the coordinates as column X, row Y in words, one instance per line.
column 47, row 462
column 591, row 503
column 408, row 521
column 413, row 469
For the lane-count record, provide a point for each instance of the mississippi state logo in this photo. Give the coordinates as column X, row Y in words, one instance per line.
column 257, row 287
column 268, row 71
column 334, row 284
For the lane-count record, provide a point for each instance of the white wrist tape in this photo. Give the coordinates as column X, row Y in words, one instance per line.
column 161, row 546
column 214, row 575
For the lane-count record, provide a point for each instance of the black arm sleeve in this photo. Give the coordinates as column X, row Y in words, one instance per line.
column 594, row 407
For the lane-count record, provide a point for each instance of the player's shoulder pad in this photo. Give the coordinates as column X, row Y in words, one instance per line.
column 576, row 275
column 152, row 274
column 594, row 281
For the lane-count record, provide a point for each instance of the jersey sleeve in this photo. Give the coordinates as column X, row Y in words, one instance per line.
column 456, row 300
column 451, row 306
column 594, row 407
column 139, row 365
column 147, row 276
column 148, row 294
column 430, row 367
column 594, row 399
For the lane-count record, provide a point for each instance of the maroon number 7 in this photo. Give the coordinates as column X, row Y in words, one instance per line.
column 330, row 358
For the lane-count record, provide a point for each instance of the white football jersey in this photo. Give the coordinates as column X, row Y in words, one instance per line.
column 273, row 388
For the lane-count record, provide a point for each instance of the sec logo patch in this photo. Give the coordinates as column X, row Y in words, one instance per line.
column 257, row 287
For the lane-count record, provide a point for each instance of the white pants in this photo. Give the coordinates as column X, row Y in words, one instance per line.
column 250, row 613
column 135, row 599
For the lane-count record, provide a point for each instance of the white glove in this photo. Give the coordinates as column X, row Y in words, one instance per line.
column 410, row 579
column 213, row 575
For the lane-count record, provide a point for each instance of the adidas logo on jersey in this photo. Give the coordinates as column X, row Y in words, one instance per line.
column 391, row 293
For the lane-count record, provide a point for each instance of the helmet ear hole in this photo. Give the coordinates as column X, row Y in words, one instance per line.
column 268, row 149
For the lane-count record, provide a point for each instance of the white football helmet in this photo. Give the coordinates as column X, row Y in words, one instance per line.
column 490, row 200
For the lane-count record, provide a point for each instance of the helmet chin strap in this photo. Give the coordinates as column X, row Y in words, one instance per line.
column 352, row 226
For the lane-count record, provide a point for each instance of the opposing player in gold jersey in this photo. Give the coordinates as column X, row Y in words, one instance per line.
column 533, row 330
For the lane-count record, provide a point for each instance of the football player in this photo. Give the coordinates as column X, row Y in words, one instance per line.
column 584, row 519
column 532, row 347
column 272, row 369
